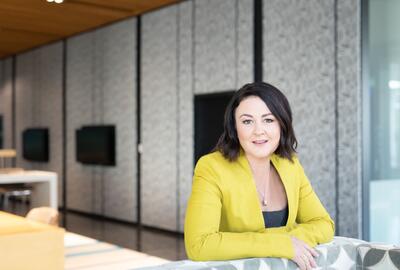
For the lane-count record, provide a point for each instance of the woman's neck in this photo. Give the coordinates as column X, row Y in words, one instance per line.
column 259, row 164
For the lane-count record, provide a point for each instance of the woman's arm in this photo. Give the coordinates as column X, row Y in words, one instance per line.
column 204, row 240
column 314, row 225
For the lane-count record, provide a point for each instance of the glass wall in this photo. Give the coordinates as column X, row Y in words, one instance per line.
column 383, row 94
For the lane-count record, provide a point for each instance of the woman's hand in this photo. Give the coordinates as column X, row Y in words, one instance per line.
column 303, row 254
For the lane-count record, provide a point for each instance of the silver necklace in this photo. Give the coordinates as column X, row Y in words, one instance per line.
column 262, row 195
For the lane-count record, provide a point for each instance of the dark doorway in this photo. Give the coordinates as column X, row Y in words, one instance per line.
column 209, row 110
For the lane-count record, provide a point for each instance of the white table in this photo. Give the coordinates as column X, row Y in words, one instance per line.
column 44, row 184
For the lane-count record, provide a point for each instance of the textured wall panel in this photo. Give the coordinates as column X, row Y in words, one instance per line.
column 349, row 118
column 159, row 119
column 186, row 109
column 299, row 60
column 6, row 100
column 215, row 48
column 119, row 103
column 244, row 42
column 80, row 83
column 25, row 84
column 215, row 43
column 210, row 44
column 39, row 104
column 101, row 90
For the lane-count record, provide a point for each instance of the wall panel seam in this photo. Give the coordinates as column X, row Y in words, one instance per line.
column 236, row 27
column 178, row 93
column 14, row 103
column 258, row 40
column 138, row 117
column 193, row 60
column 337, row 184
column 64, row 126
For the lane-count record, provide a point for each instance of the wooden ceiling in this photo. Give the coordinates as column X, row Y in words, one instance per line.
column 25, row 24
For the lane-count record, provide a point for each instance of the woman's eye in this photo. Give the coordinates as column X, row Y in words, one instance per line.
column 246, row 122
column 268, row 120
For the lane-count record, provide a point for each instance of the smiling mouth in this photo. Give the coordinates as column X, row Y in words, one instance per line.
column 260, row 141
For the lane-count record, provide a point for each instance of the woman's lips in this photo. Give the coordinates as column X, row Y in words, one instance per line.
column 260, row 141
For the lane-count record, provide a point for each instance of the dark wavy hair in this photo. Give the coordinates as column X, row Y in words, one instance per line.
column 228, row 143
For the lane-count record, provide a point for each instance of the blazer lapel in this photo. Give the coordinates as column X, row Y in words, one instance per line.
column 254, row 203
column 286, row 176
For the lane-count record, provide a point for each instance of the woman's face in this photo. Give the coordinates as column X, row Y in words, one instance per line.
column 258, row 130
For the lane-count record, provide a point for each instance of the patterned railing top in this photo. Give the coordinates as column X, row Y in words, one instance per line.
column 341, row 253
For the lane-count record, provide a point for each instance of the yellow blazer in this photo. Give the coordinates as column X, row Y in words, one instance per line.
column 224, row 218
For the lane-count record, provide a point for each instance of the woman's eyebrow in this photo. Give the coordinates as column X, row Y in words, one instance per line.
column 245, row 114
column 249, row 115
column 266, row 114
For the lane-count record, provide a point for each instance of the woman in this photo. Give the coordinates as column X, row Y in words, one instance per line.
column 251, row 197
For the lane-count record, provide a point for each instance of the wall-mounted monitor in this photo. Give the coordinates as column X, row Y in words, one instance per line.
column 35, row 144
column 209, row 110
column 96, row 145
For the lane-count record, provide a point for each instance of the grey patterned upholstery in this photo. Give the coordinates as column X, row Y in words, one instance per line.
column 378, row 257
column 342, row 253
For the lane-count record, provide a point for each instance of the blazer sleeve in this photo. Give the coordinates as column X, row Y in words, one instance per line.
column 203, row 239
column 313, row 223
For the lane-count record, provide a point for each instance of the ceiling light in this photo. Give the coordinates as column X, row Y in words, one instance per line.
column 394, row 84
column 50, row 1
column 58, row 1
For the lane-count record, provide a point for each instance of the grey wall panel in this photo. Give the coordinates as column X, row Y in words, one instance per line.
column 25, row 99
column 6, row 100
column 349, row 118
column 80, row 96
column 119, row 107
column 299, row 59
column 101, row 91
column 159, row 119
column 39, row 104
column 214, row 46
column 210, row 44
column 244, row 42
column 186, row 108
column 219, row 35
column 51, row 105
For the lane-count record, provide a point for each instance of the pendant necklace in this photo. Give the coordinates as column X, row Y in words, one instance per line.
column 263, row 198
column 265, row 187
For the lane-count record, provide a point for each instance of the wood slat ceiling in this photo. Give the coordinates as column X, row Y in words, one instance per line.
column 25, row 24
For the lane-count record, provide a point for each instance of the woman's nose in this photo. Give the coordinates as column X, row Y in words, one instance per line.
column 258, row 129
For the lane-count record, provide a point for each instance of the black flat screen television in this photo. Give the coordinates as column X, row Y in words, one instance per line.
column 96, row 145
column 35, row 144
column 209, row 110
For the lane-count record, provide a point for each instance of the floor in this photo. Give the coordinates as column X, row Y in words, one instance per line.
column 83, row 253
column 166, row 245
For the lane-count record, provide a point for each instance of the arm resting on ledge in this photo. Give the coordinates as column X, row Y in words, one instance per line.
column 204, row 241
column 314, row 225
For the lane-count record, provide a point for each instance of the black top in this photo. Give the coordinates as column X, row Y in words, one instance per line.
column 275, row 218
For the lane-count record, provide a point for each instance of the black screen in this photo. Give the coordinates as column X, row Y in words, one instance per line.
column 35, row 144
column 96, row 145
column 209, row 110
